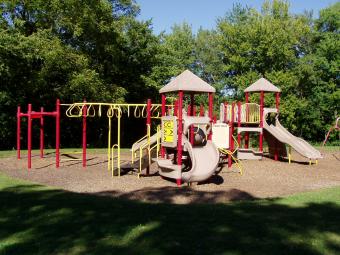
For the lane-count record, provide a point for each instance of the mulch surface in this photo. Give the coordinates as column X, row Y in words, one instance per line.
column 264, row 178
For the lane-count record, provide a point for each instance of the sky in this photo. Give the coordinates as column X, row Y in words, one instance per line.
column 204, row 13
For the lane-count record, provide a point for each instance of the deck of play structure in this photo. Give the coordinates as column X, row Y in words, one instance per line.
column 189, row 143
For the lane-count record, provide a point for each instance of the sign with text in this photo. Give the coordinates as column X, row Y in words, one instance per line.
column 169, row 131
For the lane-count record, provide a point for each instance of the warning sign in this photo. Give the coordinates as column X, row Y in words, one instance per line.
column 168, row 131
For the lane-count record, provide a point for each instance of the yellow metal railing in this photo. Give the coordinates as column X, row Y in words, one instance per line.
column 250, row 113
column 236, row 160
column 231, row 153
column 145, row 146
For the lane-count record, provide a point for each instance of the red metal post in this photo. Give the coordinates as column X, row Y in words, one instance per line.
column 211, row 105
column 261, row 120
column 231, row 131
column 57, row 134
column 148, row 112
column 225, row 112
column 84, row 133
column 246, row 136
column 163, row 114
column 29, row 137
column 41, row 133
column 239, row 122
column 148, row 124
column 18, row 131
column 277, row 100
column 191, row 113
column 180, row 132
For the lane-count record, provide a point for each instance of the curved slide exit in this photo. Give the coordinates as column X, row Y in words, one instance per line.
column 284, row 136
column 204, row 161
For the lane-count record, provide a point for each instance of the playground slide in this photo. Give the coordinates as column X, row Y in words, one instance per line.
column 137, row 146
column 204, row 161
column 284, row 136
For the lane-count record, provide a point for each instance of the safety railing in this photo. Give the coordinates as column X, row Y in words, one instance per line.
column 250, row 113
column 146, row 145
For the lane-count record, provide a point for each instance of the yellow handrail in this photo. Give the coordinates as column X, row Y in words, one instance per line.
column 250, row 113
column 237, row 161
column 146, row 145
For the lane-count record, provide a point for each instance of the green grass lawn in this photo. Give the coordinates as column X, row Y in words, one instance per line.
column 35, row 219
column 10, row 153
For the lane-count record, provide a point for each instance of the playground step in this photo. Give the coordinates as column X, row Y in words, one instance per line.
column 249, row 129
column 249, row 154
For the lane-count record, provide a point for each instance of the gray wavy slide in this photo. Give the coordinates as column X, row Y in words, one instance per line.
column 204, row 161
column 284, row 136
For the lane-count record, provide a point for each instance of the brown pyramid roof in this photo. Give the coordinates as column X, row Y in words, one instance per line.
column 187, row 81
column 262, row 85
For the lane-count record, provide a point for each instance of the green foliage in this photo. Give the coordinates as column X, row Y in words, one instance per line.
column 98, row 50
column 175, row 54
column 70, row 50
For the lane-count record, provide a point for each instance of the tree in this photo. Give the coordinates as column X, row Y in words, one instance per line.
column 175, row 54
column 71, row 50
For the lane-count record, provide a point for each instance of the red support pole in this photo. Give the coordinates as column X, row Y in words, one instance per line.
column 261, row 119
column 41, row 133
column 29, row 137
column 246, row 136
column 231, row 131
column 225, row 112
column 239, row 122
column 277, row 100
column 84, row 133
column 163, row 114
column 192, row 105
column 211, row 105
column 148, row 112
column 148, row 124
column 180, row 132
column 18, row 131
column 57, row 134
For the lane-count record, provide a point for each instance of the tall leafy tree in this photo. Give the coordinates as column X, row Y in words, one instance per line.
column 175, row 54
column 72, row 50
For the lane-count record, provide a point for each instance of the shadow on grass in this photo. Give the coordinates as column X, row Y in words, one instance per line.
column 35, row 220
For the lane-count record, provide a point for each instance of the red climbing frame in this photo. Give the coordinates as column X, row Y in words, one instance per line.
column 30, row 115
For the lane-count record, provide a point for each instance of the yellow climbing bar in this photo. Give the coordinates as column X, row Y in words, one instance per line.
column 236, row 160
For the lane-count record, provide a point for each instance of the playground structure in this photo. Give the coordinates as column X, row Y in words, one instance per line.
column 336, row 127
column 253, row 118
column 188, row 135
column 188, row 145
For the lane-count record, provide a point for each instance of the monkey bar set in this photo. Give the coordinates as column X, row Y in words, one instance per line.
column 30, row 115
column 84, row 110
